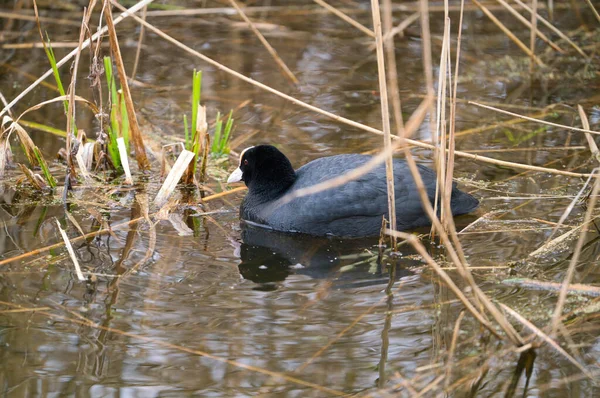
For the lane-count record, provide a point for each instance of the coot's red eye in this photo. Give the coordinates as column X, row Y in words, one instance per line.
column 245, row 162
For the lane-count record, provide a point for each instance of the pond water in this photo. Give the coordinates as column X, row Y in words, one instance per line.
column 201, row 306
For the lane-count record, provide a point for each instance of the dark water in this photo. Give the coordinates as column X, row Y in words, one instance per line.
column 218, row 310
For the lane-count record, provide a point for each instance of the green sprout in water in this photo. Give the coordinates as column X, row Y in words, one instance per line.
column 119, row 122
column 220, row 144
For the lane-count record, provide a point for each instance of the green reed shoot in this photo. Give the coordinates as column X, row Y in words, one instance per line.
column 192, row 141
column 119, row 122
column 50, row 54
column 220, row 144
column 44, row 166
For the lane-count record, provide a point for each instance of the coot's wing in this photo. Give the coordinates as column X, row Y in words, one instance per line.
column 355, row 208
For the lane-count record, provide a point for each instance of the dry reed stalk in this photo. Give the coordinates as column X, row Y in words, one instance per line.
column 574, row 259
column 440, row 128
column 136, row 134
column 416, row 243
column 508, row 33
column 71, row 252
column 527, row 23
column 346, row 18
column 586, row 125
column 531, row 119
column 426, row 48
column 547, row 339
column 589, row 2
column 22, row 17
column 80, row 320
column 66, row 58
column 334, row 116
column 175, row 174
column 553, row 28
column 530, row 149
column 392, row 69
column 387, row 139
column 398, row 29
column 139, row 45
column 534, row 6
column 284, row 68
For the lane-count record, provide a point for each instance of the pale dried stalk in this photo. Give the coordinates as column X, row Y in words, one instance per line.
column 334, row 116
column 287, row 72
column 346, row 18
column 136, row 134
column 534, row 5
column 139, row 44
column 71, row 252
column 574, row 259
column 411, row 239
column 547, row 339
column 589, row 2
column 180, row 166
column 392, row 69
column 586, row 125
column 562, row 126
column 385, row 114
column 507, row 32
column 401, row 26
column 127, row 13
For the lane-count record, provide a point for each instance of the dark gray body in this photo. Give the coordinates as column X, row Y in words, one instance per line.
column 354, row 209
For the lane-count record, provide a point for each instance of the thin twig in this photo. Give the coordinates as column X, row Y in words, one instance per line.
column 346, row 18
column 287, row 72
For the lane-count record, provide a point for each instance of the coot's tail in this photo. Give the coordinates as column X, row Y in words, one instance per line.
column 462, row 202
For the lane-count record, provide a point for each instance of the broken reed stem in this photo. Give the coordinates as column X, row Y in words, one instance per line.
column 105, row 231
column 334, row 116
column 346, row 18
column 127, row 13
column 574, row 259
column 392, row 69
column 507, row 32
column 286, row 71
column 139, row 44
column 136, row 134
column 180, row 167
column 534, row 5
column 387, row 139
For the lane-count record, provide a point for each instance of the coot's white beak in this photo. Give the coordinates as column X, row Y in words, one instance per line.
column 235, row 176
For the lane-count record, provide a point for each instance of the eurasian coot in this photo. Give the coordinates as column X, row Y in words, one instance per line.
column 352, row 210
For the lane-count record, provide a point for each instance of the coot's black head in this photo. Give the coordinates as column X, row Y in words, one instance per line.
column 264, row 170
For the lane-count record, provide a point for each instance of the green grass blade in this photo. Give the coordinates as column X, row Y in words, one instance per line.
column 217, row 135
column 44, row 166
column 224, row 145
